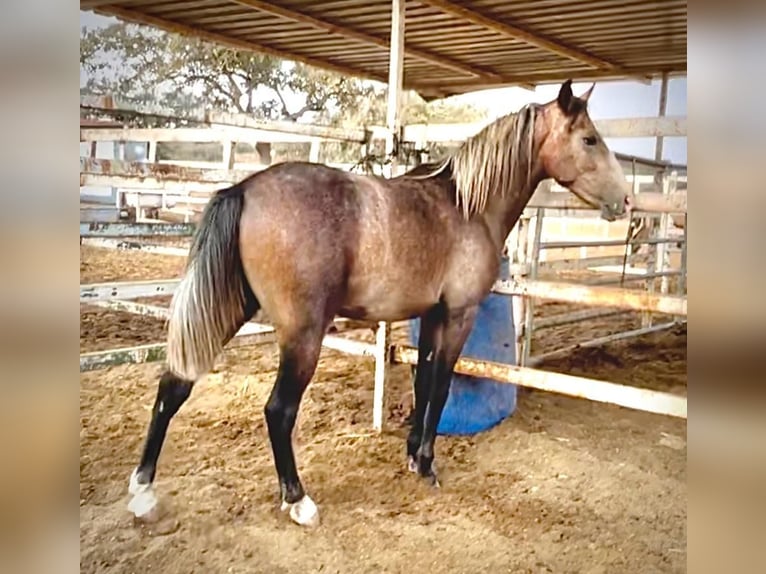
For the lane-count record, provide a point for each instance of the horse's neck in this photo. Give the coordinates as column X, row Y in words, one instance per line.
column 504, row 209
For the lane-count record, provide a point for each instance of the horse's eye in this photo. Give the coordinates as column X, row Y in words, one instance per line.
column 590, row 140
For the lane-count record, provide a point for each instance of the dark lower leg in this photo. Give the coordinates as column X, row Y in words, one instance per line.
column 439, row 391
column 423, row 376
column 297, row 365
column 457, row 326
column 171, row 394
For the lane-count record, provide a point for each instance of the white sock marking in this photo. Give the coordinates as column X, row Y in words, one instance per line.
column 303, row 512
column 144, row 501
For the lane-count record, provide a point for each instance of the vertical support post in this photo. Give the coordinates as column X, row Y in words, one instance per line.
column 314, row 151
column 382, row 336
column 151, row 152
column 651, row 265
column 393, row 122
column 663, row 108
column 228, row 155
column 534, row 260
column 395, row 82
column 663, row 254
column 681, row 288
column 519, row 302
column 660, row 178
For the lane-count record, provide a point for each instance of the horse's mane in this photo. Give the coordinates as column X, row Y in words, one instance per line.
column 490, row 162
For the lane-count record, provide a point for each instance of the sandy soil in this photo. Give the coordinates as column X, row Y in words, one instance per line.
column 563, row 485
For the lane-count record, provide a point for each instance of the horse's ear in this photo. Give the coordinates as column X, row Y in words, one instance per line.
column 587, row 94
column 565, row 96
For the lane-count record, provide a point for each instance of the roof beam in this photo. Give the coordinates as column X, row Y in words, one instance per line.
column 170, row 26
column 364, row 37
column 519, row 33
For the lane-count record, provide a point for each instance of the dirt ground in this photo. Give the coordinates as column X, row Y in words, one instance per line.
column 563, row 485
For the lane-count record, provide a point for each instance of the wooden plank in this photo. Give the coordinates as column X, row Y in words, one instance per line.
column 606, row 242
column 96, row 360
column 126, row 289
column 667, row 126
column 594, row 296
column 580, row 263
column 215, row 134
column 575, row 317
column 153, row 311
column 158, row 172
column 324, row 132
column 157, row 352
column 175, row 216
column 509, row 30
column 670, row 126
column 538, row 359
column 580, row 387
column 650, row 202
column 103, row 214
column 97, row 229
column 249, row 334
column 135, row 246
column 231, row 124
column 150, row 184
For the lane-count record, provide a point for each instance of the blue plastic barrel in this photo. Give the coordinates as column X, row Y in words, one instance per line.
column 475, row 404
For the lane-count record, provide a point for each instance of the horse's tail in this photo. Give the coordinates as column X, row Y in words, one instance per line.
column 214, row 297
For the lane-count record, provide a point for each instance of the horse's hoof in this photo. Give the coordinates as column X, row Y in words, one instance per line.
column 303, row 512
column 412, row 464
column 429, row 475
column 433, row 481
column 143, row 505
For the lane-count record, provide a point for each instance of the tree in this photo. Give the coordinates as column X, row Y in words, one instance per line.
column 148, row 65
column 151, row 66
column 139, row 62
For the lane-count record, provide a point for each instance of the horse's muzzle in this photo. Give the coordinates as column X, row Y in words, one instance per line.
column 612, row 211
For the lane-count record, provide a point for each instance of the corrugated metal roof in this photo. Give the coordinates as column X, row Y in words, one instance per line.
column 452, row 46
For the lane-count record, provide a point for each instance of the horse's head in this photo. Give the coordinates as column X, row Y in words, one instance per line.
column 574, row 154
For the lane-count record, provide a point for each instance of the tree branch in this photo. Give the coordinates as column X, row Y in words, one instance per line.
column 285, row 112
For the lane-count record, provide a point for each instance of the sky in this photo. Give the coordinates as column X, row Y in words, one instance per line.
column 623, row 99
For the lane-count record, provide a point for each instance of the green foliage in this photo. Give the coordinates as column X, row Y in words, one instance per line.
column 150, row 66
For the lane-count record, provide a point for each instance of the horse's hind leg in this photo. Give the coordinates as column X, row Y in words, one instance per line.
column 299, row 354
column 171, row 394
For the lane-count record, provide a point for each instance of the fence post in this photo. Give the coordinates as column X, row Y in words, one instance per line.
column 229, row 148
column 534, row 261
column 518, row 250
column 314, row 150
column 382, row 352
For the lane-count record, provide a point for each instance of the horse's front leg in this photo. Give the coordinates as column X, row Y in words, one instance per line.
column 429, row 323
column 450, row 339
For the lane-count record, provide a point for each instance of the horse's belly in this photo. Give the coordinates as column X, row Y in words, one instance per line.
column 388, row 301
